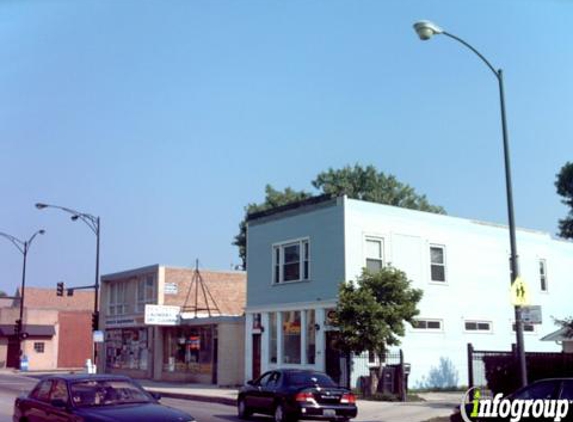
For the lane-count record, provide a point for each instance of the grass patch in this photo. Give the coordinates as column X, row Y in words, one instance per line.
column 392, row 397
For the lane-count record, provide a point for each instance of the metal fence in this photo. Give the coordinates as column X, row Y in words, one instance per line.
column 366, row 367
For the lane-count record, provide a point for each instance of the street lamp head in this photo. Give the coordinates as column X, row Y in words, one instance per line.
column 41, row 206
column 427, row 29
column 74, row 217
column 42, row 231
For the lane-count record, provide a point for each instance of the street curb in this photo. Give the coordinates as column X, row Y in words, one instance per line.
column 195, row 397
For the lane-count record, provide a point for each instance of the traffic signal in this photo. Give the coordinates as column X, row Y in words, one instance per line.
column 60, row 288
column 95, row 321
column 18, row 327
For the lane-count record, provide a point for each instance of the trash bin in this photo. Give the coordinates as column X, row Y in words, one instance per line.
column 24, row 363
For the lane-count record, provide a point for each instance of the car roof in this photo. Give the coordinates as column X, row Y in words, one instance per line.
column 85, row 377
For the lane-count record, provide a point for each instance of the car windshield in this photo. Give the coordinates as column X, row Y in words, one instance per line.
column 310, row 378
column 107, row 393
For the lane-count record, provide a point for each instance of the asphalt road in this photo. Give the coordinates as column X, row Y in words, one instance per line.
column 12, row 385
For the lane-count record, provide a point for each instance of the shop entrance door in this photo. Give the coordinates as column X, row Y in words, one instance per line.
column 337, row 364
column 215, row 358
column 256, row 356
column 12, row 358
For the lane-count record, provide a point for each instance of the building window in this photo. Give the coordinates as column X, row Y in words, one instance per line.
column 39, row 347
column 481, row 326
column 126, row 348
column 189, row 349
column 527, row 327
column 543, row 275
column 273, row 337
column 374, row 254
column 146, row 292
column 291, row 261
column 291, row 337
column 117, row 298
column 427, row 324
column 310, row 336
column 438, row 263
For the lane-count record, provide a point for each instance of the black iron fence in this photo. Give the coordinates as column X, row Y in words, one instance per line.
column 384, row 374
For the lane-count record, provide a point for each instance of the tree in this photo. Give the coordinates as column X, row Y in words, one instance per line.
column 273, row 198
column 371, row 312
column 3, row 293
column 357, row 182
column 564, row 185
column 367, row 184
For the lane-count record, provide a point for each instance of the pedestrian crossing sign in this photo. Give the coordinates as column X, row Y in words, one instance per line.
column 519, row 293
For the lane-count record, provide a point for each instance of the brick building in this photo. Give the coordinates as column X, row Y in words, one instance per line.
column 59, row 329
column 202, row 344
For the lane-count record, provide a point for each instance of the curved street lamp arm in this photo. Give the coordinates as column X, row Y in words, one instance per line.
column 89, row 219
column 15, row 241
column 495, row 72
column 41, row 231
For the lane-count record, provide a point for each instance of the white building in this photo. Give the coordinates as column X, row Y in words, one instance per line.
column 298, row 255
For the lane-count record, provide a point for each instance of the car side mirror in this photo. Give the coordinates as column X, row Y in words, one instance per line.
column 156, row 396
column 251, row 382
column 59, row 403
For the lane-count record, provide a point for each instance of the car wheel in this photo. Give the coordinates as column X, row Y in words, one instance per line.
column 280, row 414
column 242, row 410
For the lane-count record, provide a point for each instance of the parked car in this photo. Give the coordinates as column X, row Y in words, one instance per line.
column 92, row 398
column 550, row 389
column 291, row 394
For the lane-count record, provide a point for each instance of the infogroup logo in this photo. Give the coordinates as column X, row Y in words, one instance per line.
column 515, row 410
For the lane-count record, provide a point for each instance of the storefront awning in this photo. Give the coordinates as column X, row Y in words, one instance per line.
column 32, row 330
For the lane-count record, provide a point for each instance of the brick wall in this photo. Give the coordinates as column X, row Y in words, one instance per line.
column 74, row 339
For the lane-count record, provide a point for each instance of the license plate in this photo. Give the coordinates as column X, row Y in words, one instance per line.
column 329, row 412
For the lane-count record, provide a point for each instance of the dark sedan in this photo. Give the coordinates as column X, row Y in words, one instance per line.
column 92, row 398
column 289, row 394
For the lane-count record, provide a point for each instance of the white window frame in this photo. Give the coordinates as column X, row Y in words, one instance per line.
column 427, row 329
column 278, row 260
column 142, row 300
column 118, row 306
column 543, row 279
column 443, row 264
column 380, row 258
column 478, row 330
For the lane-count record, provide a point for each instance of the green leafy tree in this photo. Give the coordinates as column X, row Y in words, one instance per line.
column 357, row 182
column 3, row 293
column 371, row 312
column 273, row 198
column 564, row 185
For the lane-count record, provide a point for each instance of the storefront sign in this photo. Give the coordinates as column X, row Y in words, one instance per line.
column 162, row 315
column 98, row 336
column 171, row 289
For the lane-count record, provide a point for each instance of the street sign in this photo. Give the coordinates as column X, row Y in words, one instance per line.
column 162, row 315
column 98, row 336
column 531, row 314
column 171, row 289
column 519, row 293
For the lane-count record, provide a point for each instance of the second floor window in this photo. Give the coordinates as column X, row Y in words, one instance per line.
column 146, row 292
column 438, row 263
column 543, row 275
column 291, row 261
column 117, row 298
column 374, row 254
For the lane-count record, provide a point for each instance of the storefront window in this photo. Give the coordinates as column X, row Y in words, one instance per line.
column 188, row 349
column 126, row 348
column 310, row 336
column 291, row 337
column 273, row 337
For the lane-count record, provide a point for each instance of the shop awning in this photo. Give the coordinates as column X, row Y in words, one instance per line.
column 32, row 330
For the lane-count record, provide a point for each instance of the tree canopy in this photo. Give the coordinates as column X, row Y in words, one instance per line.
column 564, row 185
column 365, row 183
column 371, row 312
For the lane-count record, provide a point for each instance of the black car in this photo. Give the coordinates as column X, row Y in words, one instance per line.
column 290, row 394
column 92, row 398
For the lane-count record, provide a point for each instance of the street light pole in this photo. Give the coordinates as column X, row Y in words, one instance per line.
column 425, row 30
column 94, row 224
column 23, row 246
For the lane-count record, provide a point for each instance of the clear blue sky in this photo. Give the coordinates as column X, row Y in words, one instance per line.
column 166, row 118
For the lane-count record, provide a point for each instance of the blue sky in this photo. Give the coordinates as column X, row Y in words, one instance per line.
column 167, row 117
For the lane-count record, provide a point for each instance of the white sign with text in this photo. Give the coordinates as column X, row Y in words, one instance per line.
column 162, row 315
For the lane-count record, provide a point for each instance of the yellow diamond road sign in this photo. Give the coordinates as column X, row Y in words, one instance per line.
column 519, row 293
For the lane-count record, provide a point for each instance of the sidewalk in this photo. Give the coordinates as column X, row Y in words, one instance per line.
column 436, row 404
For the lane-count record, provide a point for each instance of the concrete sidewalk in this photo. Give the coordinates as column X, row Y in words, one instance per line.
column 436, row 404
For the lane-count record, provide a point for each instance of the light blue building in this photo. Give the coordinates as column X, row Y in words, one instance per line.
column 297, row 256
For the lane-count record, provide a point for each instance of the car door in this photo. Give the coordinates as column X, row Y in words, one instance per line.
column 269, row 391
column 59, row 392
column 253, row 397
column 35, row 407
